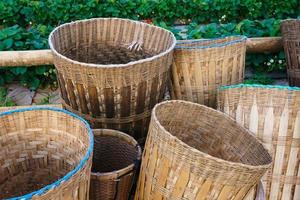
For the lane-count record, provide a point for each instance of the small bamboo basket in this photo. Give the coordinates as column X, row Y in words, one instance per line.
column 195, row 152
column 290, row 30
column 115, row 165
column 46, row 153
column 272, row 113
column 112, row 71
column 201, row 66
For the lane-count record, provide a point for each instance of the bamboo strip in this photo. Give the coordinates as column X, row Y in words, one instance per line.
column 115, row 69
column 198, row 153
column 200, row 67
column 272, row 114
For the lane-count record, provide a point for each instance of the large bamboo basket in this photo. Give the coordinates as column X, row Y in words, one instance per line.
column 290, row 30
column 46, row 153
column 112, row 71
column 201, row 66
column 195, row 152
column 115, row 165
column 272, row 113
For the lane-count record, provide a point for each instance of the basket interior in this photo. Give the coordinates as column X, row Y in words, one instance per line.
column 107, row 41
column 105, row 54
column 112, row 153
column 38, row 148
column 211, row 132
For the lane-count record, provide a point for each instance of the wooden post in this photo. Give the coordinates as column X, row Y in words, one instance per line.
column 44, row 57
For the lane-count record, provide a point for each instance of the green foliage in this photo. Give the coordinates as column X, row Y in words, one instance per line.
column 19, row 38
column 26, row 24
column 4, row 100
column 54, row 12
column 259, row 79
column 256, row 28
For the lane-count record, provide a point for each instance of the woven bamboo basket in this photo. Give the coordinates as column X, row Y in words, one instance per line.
column 112, row 71
column 46, row 153
column 115, row 165
column 201, row 66
column 290, row 30
column 272, row 113
column 195, row 152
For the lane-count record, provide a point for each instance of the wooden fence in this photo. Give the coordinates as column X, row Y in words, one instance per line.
column 44, row 57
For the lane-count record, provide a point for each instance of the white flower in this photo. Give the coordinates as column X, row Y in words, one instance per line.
column 271, row 61
column 280, row 61
column 268, row 64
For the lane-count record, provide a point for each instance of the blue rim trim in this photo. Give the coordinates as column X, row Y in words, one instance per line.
column 71, row 173
column 260, row 86
column 200, row 41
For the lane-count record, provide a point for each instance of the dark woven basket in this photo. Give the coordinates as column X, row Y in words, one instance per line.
column 112, row 71
column 115, row 165
column 45, row 154
column 290, row 30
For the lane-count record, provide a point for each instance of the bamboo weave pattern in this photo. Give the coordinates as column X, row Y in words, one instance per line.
column 116, row 156
column 273, row 114
column 201, row 66
column 112, row 71
column 290, row 30
column 46, row 153
column 195, row 152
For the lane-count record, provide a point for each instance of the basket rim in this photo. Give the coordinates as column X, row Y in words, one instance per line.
column 281, row 87
column 240, row 38
column 170, row 49
column 290, row 20
column 124, row 170
column 81, row 164
column 205, row 155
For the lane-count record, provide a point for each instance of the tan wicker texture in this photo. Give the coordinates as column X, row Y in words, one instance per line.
column 195, row 152
column 3, row 109
column 115, row 165
column 45, row 154
column 200, row 67
column 112, row 71
column 273, row 115
column 290, row 30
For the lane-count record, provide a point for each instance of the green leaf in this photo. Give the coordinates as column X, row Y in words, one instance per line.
column 38, row 45
column 18, row 70
column 8, row 77
column 8, row 43
column 19, row 44
column 34, row 84
column 41, row 70
column 2, row 80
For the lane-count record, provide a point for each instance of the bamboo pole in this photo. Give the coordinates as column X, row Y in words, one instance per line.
column 25, row 58
column 44, row 57
column 264, row 44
